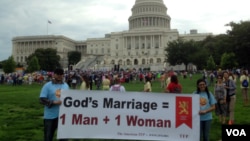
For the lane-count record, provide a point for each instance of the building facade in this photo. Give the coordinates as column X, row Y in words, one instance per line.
column 141, row 46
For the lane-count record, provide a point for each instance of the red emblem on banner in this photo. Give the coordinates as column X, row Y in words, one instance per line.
column 183, row 111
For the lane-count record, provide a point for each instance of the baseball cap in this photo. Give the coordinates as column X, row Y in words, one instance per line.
column 59, row 71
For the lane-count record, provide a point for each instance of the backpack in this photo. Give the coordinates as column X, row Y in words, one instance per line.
column 176, row 89
column 116, row 88
column 244, row 83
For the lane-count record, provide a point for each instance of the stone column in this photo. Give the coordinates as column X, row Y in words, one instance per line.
column 125, row 42
column 139, row 42
column 153, row 41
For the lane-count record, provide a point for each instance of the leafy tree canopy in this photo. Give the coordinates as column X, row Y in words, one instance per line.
column 9, row 65
column 74, row 57
column 47, row 58
column 236, row 41
column 33, row 65
column 228, row 61
column 240, row 35
column 180, row 51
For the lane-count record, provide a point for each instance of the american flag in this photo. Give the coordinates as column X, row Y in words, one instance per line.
column 49, row 22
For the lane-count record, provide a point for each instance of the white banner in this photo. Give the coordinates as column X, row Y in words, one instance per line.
column 128, row 115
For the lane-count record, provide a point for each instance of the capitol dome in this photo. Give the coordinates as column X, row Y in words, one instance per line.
column 149, row 14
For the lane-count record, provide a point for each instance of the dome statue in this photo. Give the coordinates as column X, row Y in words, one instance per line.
column 149, row 14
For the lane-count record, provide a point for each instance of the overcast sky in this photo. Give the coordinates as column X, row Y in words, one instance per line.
column 82, row 19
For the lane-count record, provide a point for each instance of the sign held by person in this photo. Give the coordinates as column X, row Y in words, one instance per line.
column 129, row 115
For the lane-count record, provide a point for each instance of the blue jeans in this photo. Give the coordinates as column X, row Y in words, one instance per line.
column 205, row 129
column 50, row 126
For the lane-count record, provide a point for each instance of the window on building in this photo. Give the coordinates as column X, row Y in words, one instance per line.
column 143, row 46
column 157, row 45
column 135, row 62
column 151, row 61
column 129, row 46
column 128, row 62
column 137, row 46
column 143, row 61
column 148, row 46
column 158, row 60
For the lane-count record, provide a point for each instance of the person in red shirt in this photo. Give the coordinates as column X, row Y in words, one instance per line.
column 174, row 86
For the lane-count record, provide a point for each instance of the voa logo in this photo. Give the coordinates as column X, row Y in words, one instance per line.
column 236, row 132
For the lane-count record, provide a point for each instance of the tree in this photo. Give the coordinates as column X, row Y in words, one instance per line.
column 33, row 65
column 240, row 35
column 180, row 51
column 217, row 45
column 199, row 58
column 19, row 65
column 228, row 61
column 174, row 52
column 210, row 63
column 74, row 57
column 47, row 58
column 189, row 47
column 236, row 41
column 1, row 65
column 9, row 65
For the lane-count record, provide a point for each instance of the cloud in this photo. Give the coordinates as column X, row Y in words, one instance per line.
column 82, row 19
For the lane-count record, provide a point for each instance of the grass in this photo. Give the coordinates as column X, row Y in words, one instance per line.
column 21, row 114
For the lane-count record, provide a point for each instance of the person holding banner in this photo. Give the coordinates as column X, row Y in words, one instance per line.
column 207, row 105
column 50, row 98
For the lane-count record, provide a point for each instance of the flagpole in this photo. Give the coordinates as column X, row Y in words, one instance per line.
column 48, row 22
column 47, row 27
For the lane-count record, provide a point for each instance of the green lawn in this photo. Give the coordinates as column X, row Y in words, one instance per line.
column 21, row 114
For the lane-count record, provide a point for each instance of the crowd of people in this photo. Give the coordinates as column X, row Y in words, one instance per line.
column 29, row 78
column 221, row 99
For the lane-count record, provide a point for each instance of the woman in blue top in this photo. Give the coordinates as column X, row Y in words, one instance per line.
column 207, row 105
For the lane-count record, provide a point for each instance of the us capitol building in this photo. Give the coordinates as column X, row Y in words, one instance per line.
column 141, row 46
